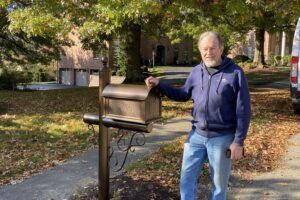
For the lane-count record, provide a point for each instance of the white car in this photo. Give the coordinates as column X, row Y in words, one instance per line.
column 295, row 70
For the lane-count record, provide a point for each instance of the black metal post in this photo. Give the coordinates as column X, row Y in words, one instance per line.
column 104, row 79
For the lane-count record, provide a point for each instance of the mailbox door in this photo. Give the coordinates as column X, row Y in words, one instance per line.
column 125, row 109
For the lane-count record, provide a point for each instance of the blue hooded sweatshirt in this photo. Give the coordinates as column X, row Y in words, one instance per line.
column 221, row 101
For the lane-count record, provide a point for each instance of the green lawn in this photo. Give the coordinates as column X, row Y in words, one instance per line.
column 268, row 75
column 259, row 75
column 39, row 129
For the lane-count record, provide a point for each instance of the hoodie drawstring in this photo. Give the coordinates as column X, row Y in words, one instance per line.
column 201, row 79
column 217, row 90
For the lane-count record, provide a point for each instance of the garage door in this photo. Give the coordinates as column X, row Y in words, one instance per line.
column 81, row 77
column 66, row 76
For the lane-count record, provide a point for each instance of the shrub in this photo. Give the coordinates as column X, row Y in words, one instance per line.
column 286, row 60
column 9, row 79
column 270, row 61
column 246, row 65
column 42, row 75
column 5, row 77
column 241, row 58
column 277, row 59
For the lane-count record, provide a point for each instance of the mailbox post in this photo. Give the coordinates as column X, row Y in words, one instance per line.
column 125, row 107
column 104, row 80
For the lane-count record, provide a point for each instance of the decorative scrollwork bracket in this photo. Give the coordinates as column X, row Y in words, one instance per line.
column 126, row 143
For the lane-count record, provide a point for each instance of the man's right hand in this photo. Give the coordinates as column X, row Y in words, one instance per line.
column 151, row 82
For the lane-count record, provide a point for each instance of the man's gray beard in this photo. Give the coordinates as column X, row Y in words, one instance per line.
column 211, row 63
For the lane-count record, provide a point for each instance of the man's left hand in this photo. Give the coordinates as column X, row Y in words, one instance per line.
column 236, row 151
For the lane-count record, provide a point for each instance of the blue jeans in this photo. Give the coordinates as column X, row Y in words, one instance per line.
column 196, row 150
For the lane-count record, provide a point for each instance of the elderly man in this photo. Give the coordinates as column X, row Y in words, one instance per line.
column 221, row 116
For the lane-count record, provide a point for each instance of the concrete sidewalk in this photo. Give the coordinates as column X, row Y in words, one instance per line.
column 280, row 184
column 62, row 181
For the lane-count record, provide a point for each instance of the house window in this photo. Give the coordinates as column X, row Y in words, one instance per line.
column 65, row 69
column 81, row 70
column 94, row 71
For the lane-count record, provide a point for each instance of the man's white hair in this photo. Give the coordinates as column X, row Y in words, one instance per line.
column 213, row 34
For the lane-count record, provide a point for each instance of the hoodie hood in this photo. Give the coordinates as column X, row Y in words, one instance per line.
column 226, row 62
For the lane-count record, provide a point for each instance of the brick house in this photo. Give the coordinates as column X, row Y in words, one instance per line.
column 79, row 67
column 275, row 44
column 165, row 53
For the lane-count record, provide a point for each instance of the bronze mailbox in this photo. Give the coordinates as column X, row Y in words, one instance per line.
column 131, row 103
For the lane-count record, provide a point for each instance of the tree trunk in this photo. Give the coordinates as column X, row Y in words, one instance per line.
column 259, row 56
column 133, row 40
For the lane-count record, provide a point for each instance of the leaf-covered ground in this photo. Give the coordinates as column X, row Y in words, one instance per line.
column 273, row 122
column 40, row 129
column 157, row 176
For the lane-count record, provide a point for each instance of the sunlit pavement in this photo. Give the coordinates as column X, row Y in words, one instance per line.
column 45, row 86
